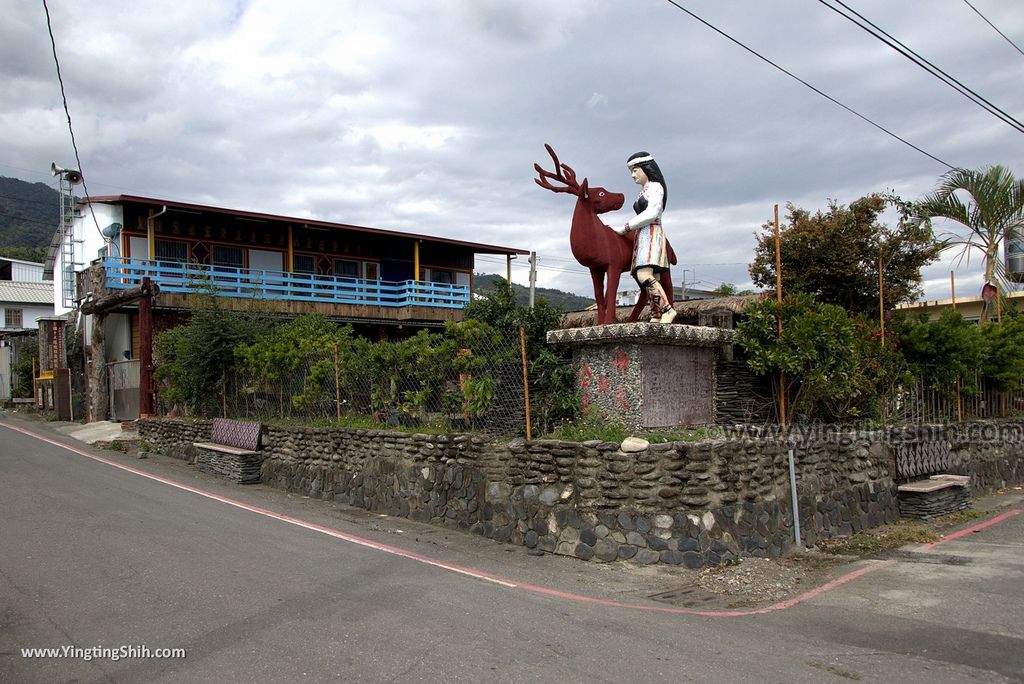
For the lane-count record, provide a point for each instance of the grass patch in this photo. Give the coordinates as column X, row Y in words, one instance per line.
column 889, row 537
column 961, row 517
column 884, row 538
column 591, row 425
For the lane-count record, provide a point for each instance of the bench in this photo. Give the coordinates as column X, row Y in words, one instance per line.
column 233, row 451
column 937, row 494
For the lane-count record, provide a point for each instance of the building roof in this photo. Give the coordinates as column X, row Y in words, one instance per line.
column 477, row 247
column 20, row 261
column 691, row 307
column 21, row 292
column 949, row 303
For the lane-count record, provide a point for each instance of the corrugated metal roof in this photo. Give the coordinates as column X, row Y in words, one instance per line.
column 26, row 293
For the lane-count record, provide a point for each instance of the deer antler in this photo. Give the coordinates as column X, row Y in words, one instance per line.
column 563, row 173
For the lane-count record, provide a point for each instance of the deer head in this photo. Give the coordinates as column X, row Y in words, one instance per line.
column 598, row 199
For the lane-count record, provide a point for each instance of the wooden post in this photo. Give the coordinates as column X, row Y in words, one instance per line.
column 526, row 381
column 778, row 297
column 146, row 351
column 952, row 290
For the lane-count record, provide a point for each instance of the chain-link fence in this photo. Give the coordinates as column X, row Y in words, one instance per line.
column 431, row 381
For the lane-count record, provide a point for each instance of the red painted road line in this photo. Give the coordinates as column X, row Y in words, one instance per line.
column 972, row 529
column 486, row 576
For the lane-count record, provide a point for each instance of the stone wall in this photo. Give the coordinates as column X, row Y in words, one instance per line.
column 679, row 503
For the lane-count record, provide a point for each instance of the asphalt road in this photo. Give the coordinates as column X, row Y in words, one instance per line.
column 96, row 556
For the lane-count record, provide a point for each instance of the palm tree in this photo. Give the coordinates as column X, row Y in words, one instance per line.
column 994, row 212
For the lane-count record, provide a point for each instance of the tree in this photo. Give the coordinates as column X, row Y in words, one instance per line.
column 834, row 256
column 299, row 351
column 730, row 290
column 36, row 254
column 195, row 361
column 940, row 351
column 989, row 202
column 835, row 366
column 1003, row 362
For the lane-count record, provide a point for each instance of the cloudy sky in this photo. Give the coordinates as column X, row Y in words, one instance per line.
column 428, row 116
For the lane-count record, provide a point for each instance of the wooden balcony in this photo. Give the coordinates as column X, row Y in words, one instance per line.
column 293, row 293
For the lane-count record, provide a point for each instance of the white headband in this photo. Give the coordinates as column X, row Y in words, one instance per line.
column 639, row 160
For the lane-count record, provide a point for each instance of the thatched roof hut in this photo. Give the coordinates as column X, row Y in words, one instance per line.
column 719, row 312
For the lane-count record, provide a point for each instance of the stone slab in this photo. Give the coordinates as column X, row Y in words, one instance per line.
column 924, row 486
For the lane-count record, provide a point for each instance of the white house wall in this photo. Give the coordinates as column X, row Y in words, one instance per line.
column 85, row 229
column 29, row 313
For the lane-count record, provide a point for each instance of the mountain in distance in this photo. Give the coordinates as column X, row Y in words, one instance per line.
column 565, row 301
column 29, row 213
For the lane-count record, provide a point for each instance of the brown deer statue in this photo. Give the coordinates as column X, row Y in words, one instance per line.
column 596, row 246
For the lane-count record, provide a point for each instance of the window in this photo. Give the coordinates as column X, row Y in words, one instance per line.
column 171, row 250
column 303, row 263
column 13, row 318
column 347, row 268
column 227, row 256
column 434, row 275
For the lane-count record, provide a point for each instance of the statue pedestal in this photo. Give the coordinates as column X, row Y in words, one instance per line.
column 647, row 375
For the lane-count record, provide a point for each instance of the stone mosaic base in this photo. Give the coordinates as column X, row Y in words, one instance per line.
column 643, row 333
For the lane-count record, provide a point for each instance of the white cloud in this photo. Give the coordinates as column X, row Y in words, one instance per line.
column 428, row 117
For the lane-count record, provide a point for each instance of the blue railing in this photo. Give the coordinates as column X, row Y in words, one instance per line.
column 226, row 281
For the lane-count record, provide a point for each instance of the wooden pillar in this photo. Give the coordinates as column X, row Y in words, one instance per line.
column 98, row 407
column 291, row 250
column 146, row 351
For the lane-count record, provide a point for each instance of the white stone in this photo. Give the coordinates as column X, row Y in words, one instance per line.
column 664, row 521
column 567, row 493
column 709, row 520
column 634, row 444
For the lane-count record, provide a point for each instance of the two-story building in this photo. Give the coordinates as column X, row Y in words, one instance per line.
column 387, row 284
column 24, row 299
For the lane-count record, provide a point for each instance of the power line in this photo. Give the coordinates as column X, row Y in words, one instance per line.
column 805, row 83
column 67, row 111
column 883, row 36
column 1015, row 46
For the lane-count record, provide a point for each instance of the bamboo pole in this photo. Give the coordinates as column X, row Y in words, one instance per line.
column 999, row 305
column 337, row 384
column 959, row 405
column 526, row 380
column 881, row 299
column 778, row 298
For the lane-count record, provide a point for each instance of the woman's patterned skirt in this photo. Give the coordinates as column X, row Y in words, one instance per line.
column 650, row 249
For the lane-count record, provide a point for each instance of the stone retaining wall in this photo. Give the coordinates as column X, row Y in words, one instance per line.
column 679, row 503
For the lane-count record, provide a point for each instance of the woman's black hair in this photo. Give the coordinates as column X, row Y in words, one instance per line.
column 650, row 167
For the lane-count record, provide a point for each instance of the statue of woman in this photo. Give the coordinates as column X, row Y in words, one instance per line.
column 650, row 255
